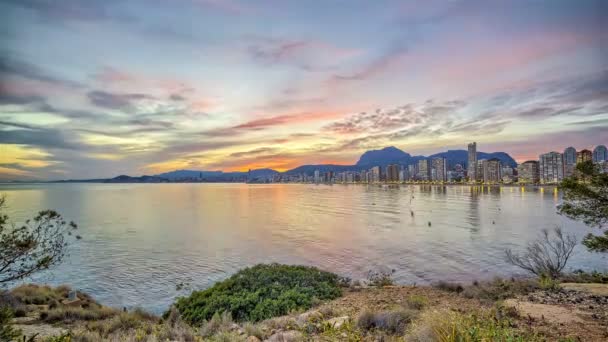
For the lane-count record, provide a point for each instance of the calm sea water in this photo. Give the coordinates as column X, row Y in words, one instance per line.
column 140, row 240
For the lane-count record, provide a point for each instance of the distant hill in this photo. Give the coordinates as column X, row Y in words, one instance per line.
column 310, row 169
column 385, row 156
column 183, row 174
column 216, row 175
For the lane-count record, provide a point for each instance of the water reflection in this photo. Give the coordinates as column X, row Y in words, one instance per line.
column 139, row 240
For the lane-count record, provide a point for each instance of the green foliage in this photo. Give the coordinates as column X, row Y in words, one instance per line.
column 37, row 245
column 417, row 302
column 586, row 199
column 484, row 325
column 581, row 276
column 261, row 292
column 7, row 332
column 548, row 283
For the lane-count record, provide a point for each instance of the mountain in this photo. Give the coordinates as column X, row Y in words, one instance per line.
column 216, row 176
column 310, row 169
column 454, row 157
column 184, row 174
column 141, row 179
column 385, row 156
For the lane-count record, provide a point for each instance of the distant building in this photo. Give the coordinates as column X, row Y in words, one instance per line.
column 492, row 171
column 583, row 156
column 472, row 162
column 317, row 176
column 375, row 174
column 570, row 156
column 424, row 170
column 600, row 154
column 412, row 171
column 439, row 170
column 403, row 175
column 551, row 167
column 528, row 172
column 569, row 161
column 392, row 173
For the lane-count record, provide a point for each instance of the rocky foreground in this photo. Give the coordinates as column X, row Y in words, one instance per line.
column 500, row 310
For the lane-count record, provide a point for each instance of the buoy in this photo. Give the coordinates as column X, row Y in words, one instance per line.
column 429, row 223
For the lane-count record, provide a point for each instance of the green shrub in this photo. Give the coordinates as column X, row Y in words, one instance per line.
column 7, row 332
column 261, row 292
column 581, row 276
column 417, row 302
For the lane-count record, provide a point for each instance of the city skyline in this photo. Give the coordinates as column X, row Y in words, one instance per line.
column 95, row 89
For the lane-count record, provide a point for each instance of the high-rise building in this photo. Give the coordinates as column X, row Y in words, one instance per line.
column 392, row 173
column 440, row 170
column 317, row 176
column 424, row 170
column 551, row 168
column 569, row 161
column 412, row 171
column 528, row 172
column 600, row 154
column 491, row 171
column 472, row 162
column 375, row 178
column 403, row 175
column 583, row 156
column 569, row 155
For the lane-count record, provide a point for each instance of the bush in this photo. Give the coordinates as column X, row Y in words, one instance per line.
column 217, row 324
column 7, row 332
column 581, row 276
column 393, row 322
column 547, row 256
column 380, row 277
column 417, row 302
column 72, row 314
column 449, row 287
column 261, row 292
column 500, row 289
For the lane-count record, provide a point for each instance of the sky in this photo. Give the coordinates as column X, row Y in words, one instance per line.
column 100, row 88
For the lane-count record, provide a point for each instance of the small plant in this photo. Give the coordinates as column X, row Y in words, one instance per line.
column 380, row 278
column 546, row 256
column 417, row 302
column 548, row 283
column 217, row 324
column 7, row 332
column 393, row 322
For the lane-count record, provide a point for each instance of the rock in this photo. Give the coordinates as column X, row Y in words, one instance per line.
column 338, row 321
column 287, row 336
column 252, row 339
